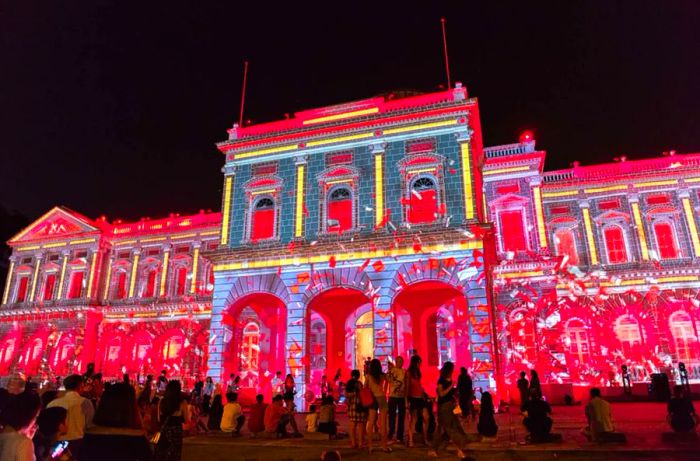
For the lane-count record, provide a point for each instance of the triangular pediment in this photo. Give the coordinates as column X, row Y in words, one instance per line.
column 57, row 223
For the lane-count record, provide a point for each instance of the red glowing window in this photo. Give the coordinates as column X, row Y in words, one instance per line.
column 508, row 189
column 681, row 325
column 49, row 286
column 263, row 222
column 339, row 158
column 579, row 346
column 628, row 333
column 559, row 210
column 423, row 202
column 512, row 230
column 615, row 244
column 658, row 200
column 181, row 280
column 565, row 244
column 22, row 289
column 609, row 204
column 150, row 288
column 120, row 285
column 340, row 210
column 210, row 281
column 172, row 348
column 265, row 169
column 75, row 289
column 665, row 240
column 425, row 145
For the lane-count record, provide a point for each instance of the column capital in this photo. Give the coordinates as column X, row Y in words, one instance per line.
column 683, row 193
column 136, row 251
column 464, row 136
column 301, row 159
column 166, row 247
column 378, row 148
column 584, row 203
column 633, row 197
column 229, row 170
column 196, row 244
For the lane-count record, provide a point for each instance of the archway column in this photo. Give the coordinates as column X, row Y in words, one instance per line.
column 383, row 318
column 220, row 301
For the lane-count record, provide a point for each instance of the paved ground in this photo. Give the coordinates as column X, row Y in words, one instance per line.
column 643, row 424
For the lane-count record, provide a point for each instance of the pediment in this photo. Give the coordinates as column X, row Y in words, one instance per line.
column 57, row 223
column 612, row 216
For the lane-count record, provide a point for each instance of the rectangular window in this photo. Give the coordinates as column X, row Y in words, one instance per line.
column 508, row 189
column 153, row 252
column 53, row 258
column 559, row 210
column 181, row 281
column 609, row 204
column 615, row 243
column 49, row 286
column 22, row 289
column 182, row 249
column 213, row 245
column 422, row 146
column 121, row 285
column 150, row 288
column 262, row 169
column 665, row 240
column 81, row 254
column 76, row 285
column 339, row 158
column 124, row 255
column 512, row 230
column 26, row 261
column 660, row 199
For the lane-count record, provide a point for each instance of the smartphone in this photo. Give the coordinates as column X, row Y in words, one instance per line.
column 58, row 449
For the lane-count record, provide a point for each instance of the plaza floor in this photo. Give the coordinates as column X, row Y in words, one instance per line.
column 642, row 423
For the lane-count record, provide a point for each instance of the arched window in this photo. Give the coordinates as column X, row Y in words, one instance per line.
column 423, row 203
column 49, row 286
column 262, row 224
column 579, row 345
column 22, row 285
column 75, row 289
column 615, row 244
column 565, row 244
column 32, row 355
column 180, row 281
column 149, row 287
column 522, row 335
column 628, row 333
column 317, row 343
column 512, row 230
column 339, row 215
column 119, row 285
column 172, row 347
column 665, row 240
column 683, row 334
column 250, row 347
column 210, row 280
column 8, row 351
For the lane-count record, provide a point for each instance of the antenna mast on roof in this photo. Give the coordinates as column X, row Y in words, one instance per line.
column 245, row 80
column 447, row 61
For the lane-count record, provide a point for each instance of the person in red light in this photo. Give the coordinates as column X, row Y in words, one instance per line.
column 277, row 418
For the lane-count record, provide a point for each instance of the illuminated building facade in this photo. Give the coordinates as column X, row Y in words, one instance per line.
column 129, row 297
column 372, row 229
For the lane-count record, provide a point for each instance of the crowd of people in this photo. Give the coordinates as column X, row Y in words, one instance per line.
column 143, row 421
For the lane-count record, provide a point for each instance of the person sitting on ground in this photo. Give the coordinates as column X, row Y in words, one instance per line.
column 256, row 420
column 681, row 414
column 51, row 423
column 118, row 434
column 232, row 419
column 537, row 421
column 598, row 416
column 215, row 413
column 18, row 419
column 277, row 417
column 487, row 426
column 331, row 456
column 312, row 420
column 326, row 419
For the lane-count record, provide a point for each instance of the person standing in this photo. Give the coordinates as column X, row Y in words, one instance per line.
column 398, row 394
column 80, row 412
column 524, row 390
column 357, row 414
column 377, row 383
column 487, row 426
column 447, row 420
column 19, row 420
column 416, row 401
column 535, row 384
column 172, row 414
column 465, row 392
column 162, row 382
column 277, row 384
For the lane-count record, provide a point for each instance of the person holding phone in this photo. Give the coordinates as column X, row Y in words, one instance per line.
column 19, row 425
column 51, row 424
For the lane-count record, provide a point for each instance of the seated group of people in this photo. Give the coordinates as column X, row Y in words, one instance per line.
column 272, row 419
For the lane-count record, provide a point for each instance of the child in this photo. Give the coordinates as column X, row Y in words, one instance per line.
column 326, row 419
column 312, row 420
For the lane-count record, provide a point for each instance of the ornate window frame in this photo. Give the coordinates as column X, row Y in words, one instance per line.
column 670, row 216
column 329, row 180
column 418, row 165
column 256, row 189
column 511, row 202
column 614, row 218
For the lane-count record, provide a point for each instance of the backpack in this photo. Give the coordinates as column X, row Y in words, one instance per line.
column 366, row 397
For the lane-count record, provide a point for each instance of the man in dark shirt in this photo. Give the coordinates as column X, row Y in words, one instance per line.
column 523, row 386
column 537, row 421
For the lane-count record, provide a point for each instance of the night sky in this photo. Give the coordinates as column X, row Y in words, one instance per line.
column 114, row 109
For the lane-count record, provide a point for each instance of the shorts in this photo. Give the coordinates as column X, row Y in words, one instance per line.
column 416, row 403
column 381, row 403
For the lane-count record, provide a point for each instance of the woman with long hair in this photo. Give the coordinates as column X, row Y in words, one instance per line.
column 535, row 384
column 357, row 414
column 416, row 401
column 378, row 384
column 487, row 426
column 172, row 414
column 118, row 433
column 216, row 412
column 447, row 420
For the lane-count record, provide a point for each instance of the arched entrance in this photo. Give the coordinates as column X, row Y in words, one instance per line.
column 431, row 321
column 255, row 335
column 62, row 354
column 333, row 331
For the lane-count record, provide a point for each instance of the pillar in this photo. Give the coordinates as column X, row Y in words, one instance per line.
column 62, row 279
column 134, row 271
column 88, row 354
column 92, row 273
column 195, row 268
column 164, row 270
column 226, row 205
column 590, row 237
column 639, row 224
column 8, row 281
column 690, row 219
column 300, row 163
column 378, row 184
column 35, row 276
column 539, row 213
column 467, row 178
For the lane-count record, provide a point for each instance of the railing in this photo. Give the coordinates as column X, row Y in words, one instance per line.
column 558, row 176
column 509, row 149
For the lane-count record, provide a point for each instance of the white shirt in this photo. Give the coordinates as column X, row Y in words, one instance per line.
column 80, row 413
column 15, row 446
column 397, row 382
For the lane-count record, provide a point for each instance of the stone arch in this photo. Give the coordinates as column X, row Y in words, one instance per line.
column 261, row 283
column 327, row 279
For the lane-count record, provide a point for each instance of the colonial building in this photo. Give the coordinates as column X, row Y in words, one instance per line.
column 376, row 228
